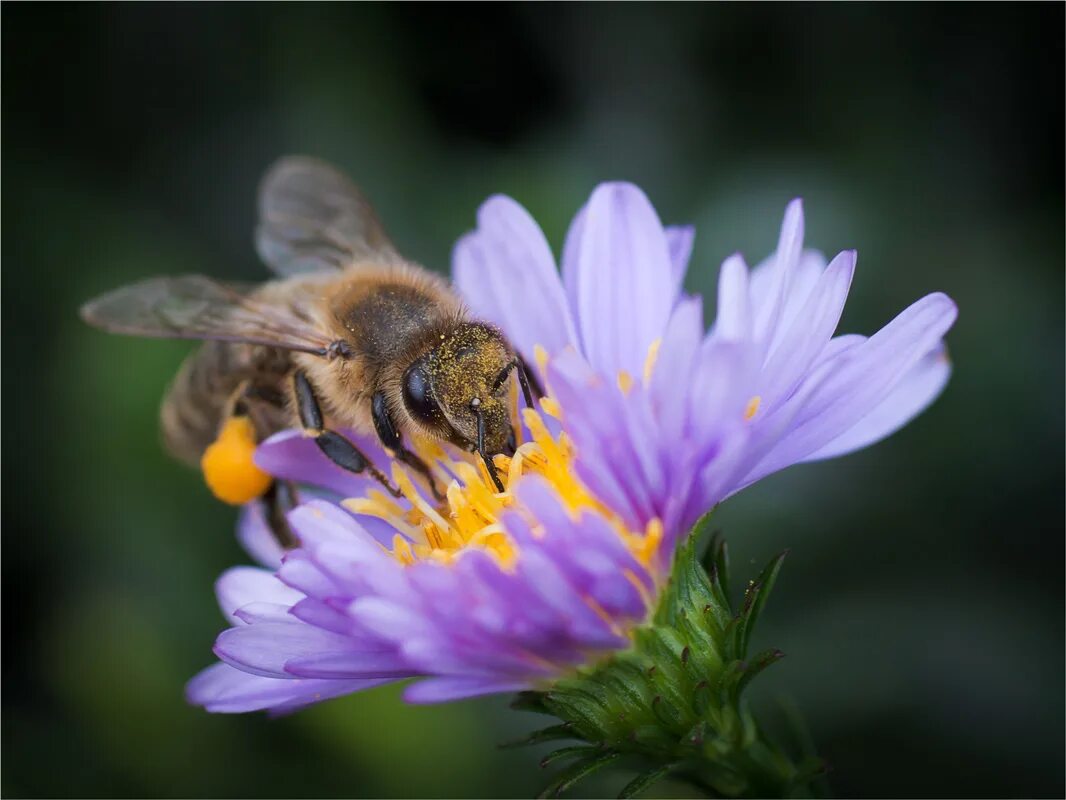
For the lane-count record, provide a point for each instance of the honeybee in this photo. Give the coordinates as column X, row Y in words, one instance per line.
column 350, row 335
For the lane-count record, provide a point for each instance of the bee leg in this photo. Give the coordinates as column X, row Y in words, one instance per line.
column 256, row 402
column 279, row 499
column 336, row 448
column 390, row 438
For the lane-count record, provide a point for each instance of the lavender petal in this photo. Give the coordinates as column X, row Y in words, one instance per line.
column 347, row 666
column 624, row 282
column 223, row 689
column 240, row 586
column 911, row 396
column 256, row 537
column 785, row 259
column 506, row 273
column 679, row 242
column 868, row 372
column 442, row 690
column 263, row 648
column 291, row 455
column 809, row 332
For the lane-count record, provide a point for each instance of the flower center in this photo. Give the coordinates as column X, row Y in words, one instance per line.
column 469, row 515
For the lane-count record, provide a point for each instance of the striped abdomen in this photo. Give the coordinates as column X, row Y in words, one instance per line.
column 204, row 390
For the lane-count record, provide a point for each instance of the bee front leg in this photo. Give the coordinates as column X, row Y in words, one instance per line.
column 391, row 439
column 527, row 379
column 336, row 448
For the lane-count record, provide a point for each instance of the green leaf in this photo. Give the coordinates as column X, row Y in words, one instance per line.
column 732, row 638
column 569, row 752
column 716, row 562
column 530, row 701
column 729, row 679
column 578, row 771
column 755, row 601
column 720, row 572
column 756, row 665
column 578, row 707
column 652, row 739
column 701, row 697
column 667, row 714
column 645, row 780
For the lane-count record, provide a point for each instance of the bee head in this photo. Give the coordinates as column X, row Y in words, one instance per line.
column 458, row 390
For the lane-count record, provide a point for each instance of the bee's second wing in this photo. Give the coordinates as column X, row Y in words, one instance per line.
column 312, row 218
column 196, row 307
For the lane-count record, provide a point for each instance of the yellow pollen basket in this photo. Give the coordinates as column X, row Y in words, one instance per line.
column 229, row 470
column 469, row 517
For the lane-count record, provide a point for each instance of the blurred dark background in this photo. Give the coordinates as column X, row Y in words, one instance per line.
column 922, row 605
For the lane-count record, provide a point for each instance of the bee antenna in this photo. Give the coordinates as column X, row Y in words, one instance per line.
column 489, row 465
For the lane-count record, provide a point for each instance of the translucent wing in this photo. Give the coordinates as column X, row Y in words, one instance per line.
column 312, row 218
column 195, row 307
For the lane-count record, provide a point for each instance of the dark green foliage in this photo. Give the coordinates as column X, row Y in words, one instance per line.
column 674, row 700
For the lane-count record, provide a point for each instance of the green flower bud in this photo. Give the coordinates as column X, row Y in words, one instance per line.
column 673, row 702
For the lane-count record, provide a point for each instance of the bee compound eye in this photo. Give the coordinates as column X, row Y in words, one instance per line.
column 418, row 395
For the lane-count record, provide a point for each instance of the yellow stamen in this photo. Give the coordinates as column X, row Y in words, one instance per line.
column 638, row 584
column 402, row 550
column 752, row 408
column 644, row 548
column 469, row 516
column 228, row 465
column 649, row 361
column 625, row 382
column 551, row 408
column 540, row 355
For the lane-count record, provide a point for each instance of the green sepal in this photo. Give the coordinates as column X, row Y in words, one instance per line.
column 580, row 770
column 756, row 665
column 674, row 699
column 715, row 562
column 644, row 781
column 569, row 752
column 530, row 701
column 755, row 600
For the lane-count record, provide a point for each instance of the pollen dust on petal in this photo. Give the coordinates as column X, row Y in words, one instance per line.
column 650, row 359
column 752, row 408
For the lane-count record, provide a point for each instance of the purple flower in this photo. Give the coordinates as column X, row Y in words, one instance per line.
column 656, row 420
column 342, row 613
column 769, row 386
